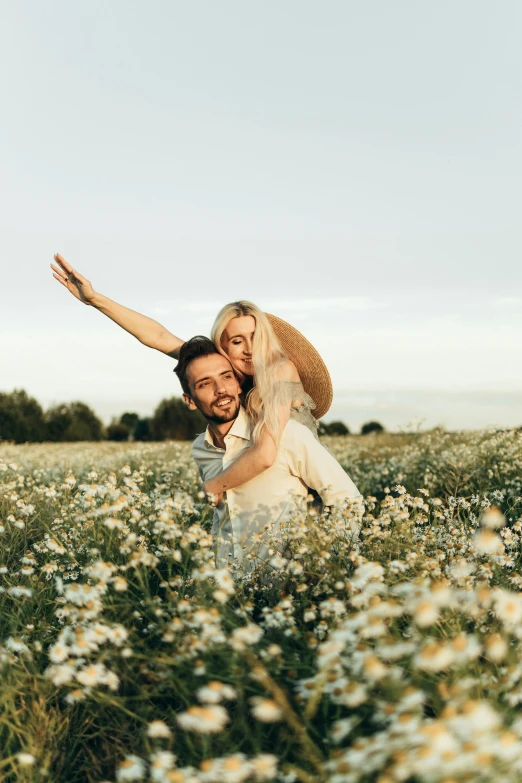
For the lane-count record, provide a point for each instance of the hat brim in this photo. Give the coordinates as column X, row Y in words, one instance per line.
column 310, row 366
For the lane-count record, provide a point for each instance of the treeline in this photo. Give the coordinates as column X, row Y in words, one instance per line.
column 22, row 420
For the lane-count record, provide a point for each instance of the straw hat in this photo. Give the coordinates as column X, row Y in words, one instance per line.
column 311, row 368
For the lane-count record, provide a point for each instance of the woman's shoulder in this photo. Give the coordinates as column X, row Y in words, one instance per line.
column 287, row 371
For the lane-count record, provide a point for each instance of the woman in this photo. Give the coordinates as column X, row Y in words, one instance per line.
column 273, row 389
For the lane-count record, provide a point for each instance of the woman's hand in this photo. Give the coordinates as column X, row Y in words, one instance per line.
column 76, row 283
column 214, row 499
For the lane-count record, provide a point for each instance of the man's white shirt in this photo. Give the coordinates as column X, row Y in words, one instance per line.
column 269, row 498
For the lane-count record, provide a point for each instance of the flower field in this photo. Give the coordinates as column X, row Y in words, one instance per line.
column 126, row 655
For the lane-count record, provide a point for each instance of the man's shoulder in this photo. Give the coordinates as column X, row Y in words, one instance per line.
column 198, row 443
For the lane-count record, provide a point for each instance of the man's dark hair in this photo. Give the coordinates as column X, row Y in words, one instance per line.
column 194, row 348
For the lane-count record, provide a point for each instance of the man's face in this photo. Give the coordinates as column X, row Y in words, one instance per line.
column 214, row 389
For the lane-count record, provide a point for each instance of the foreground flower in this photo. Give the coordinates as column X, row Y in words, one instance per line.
column 264, row 766
column 229, row 769
column 496, row 647
column 508, row 606
column 215, row 692
column 434, row 657
column 160, row 763
column 26, row 759
column 131, row 768
column 486, row 542
column 158, row 729
column 265, row 710
column 493, row 518
column 204, row 720
column 245, row 637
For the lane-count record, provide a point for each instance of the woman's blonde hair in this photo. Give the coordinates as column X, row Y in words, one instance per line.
column 267, row 357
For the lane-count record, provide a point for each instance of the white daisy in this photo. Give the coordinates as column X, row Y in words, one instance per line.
column 265, row 710
column 210, row 719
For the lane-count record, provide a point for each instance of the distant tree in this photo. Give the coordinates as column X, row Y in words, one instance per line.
column 338, row 428
column 117, row 431
column 73, row 421
column 142, row 430
column 124, row 429
column 129, row 420
column 173, row 420
column 21, row 418
column 333, row 428
column 371, row 426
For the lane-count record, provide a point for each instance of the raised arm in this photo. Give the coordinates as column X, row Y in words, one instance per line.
column 146, row 330
column 258, row 457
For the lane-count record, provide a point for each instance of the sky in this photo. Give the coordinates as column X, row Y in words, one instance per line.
column 354, row 168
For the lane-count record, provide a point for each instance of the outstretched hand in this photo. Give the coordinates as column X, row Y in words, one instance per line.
column 76, row 283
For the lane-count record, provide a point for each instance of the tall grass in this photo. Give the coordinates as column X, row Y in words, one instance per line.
column 126, row 655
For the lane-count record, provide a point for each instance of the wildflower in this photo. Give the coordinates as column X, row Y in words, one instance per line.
column 465, row 647
column 434, row 657
column 210, row 719
column 160, row 763
column 265, row 710
column 59, row 675
column 54, row 546
column 478, row 717
column 374, row 669
column 112, row 681
column 158, row 729
column 131, row 768
column 58, row 652
column 352, row 694
column 461, row 568
column 264, row 766
column 341, row 728
column 118, row 634
column 486, row 542
column 18, row 592
column 508, row 606
column 26, row 759
column 234, row 768
column 245, row 636
column 496, row 647
column 80, row 594
column 493, row 518
column 73, row 697
column 92, row 675
column 426, row 613
column 215, row 692
column 16, row 645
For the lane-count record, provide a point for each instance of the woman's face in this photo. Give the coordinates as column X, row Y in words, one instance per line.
column 237, row 340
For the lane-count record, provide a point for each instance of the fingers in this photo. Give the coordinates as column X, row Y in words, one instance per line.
column 68, row 270
column 59, row 272
column 63, row 263
column 60, row 280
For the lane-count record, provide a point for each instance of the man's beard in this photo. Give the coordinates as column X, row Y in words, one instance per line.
column 224, row 418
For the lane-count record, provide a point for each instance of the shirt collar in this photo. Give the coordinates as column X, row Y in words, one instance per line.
column 241, row 428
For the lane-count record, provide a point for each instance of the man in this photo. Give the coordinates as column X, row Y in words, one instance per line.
column 210, row 386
